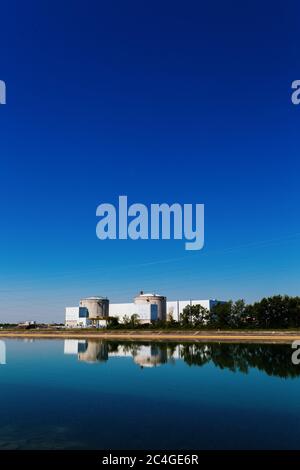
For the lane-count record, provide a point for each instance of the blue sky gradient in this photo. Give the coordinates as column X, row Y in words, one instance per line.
column 163, row 102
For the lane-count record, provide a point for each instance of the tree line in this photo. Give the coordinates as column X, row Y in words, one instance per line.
column 270, row 312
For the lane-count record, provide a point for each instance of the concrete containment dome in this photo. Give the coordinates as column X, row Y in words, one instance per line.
column 153, row 299
column 98, row 307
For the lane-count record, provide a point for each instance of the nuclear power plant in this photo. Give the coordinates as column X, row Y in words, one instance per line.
column 148, row 308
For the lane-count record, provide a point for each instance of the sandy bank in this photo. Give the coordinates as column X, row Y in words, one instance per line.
column 219, row 336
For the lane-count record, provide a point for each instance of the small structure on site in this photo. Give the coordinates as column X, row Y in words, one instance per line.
column 27, row 325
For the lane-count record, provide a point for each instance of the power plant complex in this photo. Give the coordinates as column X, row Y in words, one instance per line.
column 149, row 307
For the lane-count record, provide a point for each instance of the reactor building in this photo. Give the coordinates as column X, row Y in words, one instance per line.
column 92, row 311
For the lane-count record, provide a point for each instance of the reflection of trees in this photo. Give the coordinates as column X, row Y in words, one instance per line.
column 194, row 355
column 165, row 350
column 273, row 359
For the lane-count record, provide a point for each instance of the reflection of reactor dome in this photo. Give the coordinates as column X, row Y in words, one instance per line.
column 150, row 356
column 96, row 351
column 147, row 361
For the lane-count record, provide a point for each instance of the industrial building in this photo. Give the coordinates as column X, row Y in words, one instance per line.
column 149, row 307
column 92, row 311
column 98, row 307
column 171, row 309
column 77, row 316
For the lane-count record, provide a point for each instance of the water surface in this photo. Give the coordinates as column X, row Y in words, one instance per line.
column 72, row 394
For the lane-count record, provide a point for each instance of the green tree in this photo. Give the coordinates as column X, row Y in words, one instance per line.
column 113, row 322
column 134, row 320
column 238, row 313
column 194, row 315
column 126, row 320
column 272, row 312
column 186, row 316
column 221, row 315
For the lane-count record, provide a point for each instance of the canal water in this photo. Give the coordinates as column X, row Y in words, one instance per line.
column 79, row 394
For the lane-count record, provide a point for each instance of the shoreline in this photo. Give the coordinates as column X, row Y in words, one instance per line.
column 177, row 336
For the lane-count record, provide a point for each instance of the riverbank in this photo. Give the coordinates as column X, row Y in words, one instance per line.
column 258, row 336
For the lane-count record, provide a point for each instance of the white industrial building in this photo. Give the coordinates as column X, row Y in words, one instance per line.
column 174, row 308
column 149, row 307
column 77, row 316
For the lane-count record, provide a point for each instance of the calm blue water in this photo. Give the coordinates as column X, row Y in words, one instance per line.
column 73, row 394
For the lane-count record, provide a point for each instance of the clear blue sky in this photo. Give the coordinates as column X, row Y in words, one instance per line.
column 165, row 102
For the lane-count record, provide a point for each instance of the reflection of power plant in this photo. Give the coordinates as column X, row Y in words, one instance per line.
column 144, row 355
column 95, row 351
column 2, row 353
column 74, row 346
column 150, row 356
